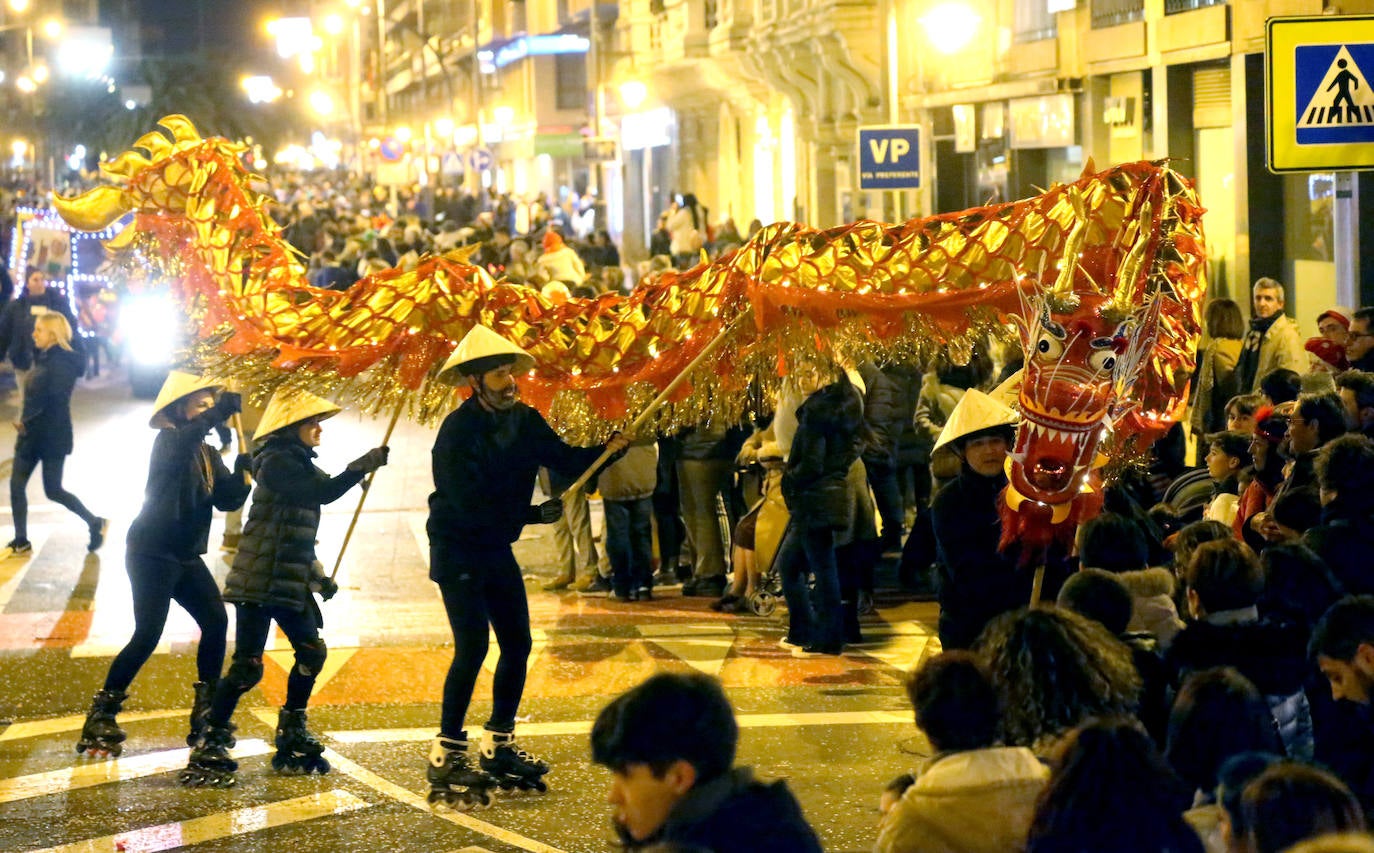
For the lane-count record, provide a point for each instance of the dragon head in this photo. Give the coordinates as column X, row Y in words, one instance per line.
column 162, row 180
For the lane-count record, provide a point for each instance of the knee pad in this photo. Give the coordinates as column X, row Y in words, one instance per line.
column 244, row 673
column 310, row 657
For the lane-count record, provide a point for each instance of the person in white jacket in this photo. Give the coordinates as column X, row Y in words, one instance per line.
column 559, row 262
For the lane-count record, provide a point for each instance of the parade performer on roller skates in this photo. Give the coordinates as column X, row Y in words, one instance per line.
column 186, row 483
column 273, row 577
column 486, row 456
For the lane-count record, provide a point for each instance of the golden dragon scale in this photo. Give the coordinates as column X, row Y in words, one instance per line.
column 865, row 289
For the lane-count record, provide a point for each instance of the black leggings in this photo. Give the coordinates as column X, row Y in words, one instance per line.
column 252, row 622
column 479, row 593
column 157, row 580
column 52, row 487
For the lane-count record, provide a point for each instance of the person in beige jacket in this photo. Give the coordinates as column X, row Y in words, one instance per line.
column 1273, row 340
column 972, row 796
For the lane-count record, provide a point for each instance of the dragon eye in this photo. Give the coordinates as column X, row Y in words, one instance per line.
column 1103, row 361
column 1048, row 347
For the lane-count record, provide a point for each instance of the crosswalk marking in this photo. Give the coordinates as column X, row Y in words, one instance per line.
column 169, row 836
column 702, row 647
column 582, row 727
column 410, row 798
column 93, row 773
column 58, row 725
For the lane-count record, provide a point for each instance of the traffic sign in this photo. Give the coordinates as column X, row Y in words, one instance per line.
column 1320, row 109
column 479, row 159
column 391, row 149
column 890, row 157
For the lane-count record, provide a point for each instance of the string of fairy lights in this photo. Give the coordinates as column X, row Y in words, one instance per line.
column 29, row 220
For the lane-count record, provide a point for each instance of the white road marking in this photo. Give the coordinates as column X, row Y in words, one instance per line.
column 410, row 798
column 170, row 836
column 582, row 727
column 90, row 774
column 58, row 725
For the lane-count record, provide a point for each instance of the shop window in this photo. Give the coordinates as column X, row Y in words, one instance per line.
column 1032, row 21
column 1111, row 13
column 570, row 74
column 1173, row 7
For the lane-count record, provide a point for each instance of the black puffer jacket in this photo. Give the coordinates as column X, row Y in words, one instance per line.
column 186, row 482
column 883, row 412
column 828, row 441
column 47, row 416
column 276, row 557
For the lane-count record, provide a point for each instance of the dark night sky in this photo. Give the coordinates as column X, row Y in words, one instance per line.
column 185, row 26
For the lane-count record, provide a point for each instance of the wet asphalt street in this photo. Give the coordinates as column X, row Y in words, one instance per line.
column 836, row 729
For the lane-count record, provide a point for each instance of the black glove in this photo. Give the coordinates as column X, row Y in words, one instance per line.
column 243, row 464
column 546, row 513
column 325, row 586
column 229, row 404
column 370, row 461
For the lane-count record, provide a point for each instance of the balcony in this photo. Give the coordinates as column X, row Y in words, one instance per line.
column 1173, row 7
column 1113, row 13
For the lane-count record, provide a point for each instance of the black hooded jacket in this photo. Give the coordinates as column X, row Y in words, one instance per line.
column 735, row 813
column 484, row 472
column 828, row 440
column 186, row 482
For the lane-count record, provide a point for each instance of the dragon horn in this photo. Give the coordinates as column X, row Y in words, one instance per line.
column 181, row 127
column 1129, row 269
column 125, row 166
column 1063, row 285
column 94, row 210
column 155, row 144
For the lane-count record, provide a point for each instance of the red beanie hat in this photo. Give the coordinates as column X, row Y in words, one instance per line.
column 552, row 240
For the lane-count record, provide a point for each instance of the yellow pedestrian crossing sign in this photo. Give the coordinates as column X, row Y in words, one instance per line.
column 1320, row 111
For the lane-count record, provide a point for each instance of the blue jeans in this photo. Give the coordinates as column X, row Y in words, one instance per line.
column 630, row 543
column 813, row 616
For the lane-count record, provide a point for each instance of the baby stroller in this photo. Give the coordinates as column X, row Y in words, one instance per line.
column 769, row 525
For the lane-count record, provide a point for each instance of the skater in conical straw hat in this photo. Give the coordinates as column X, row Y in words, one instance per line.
column 167, row 541
column 485, row 458
column 978, row 582
column 274, row 578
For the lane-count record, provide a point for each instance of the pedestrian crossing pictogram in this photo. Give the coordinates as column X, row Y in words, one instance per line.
column 1334, row 103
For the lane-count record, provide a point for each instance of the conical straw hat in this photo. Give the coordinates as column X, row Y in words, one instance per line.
column 482, row 342
column 1009, row 392
column 287, row 408
column 975, row 411
column 179, row 385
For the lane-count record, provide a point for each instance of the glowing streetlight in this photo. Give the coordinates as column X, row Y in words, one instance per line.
column 39, row 73
column 260, row 88
column 403, row 133
column 504, row 116
column 321, row 102
column 444, row 127
column 633, row 93
column 333, row 24
column 951, row 26
column 18, row 147
column 52, row 28
column 25, row 84
column 20, row 6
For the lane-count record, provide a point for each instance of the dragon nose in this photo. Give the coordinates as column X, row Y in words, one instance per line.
column 1050, row 475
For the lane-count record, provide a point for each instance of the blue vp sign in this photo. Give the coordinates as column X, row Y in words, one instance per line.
column 890, row 157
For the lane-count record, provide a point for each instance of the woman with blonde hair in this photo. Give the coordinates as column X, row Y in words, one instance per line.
column 45, row 431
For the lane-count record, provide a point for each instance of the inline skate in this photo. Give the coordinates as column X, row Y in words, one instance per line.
column 513, row 768
column 455, row 784
column 298, row 752
column 101, row 736
column 210, row 765
column 200, row 709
